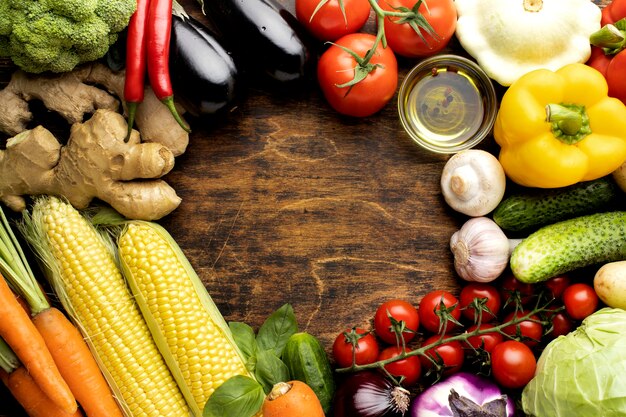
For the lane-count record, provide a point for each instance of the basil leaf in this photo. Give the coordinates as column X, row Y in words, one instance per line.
column 244, row 338
column 270, row 370
column 239, row 396
column 277, row 329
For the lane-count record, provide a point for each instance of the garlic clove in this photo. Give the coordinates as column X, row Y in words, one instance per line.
column 481, row 250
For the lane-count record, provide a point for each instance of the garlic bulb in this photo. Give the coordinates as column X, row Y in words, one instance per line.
column 481, row 250
column 473, row 182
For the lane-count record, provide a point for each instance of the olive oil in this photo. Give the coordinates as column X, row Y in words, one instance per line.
column 445, row 107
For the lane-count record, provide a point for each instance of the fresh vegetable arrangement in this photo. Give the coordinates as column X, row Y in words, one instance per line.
column 158, row 343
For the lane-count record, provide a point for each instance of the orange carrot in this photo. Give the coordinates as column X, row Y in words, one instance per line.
column 76, row 364
column 30, row 396
column 20, row 333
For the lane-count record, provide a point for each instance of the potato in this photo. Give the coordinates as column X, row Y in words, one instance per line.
column 610, row 284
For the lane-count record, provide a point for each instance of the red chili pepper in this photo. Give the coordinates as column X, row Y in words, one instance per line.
column 158, row 33
column 135, row 61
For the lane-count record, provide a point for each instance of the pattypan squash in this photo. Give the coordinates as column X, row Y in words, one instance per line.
column 509, row 38
column 557, row 128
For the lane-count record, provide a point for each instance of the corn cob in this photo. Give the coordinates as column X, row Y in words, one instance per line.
column 185, row 322
column 83, row 272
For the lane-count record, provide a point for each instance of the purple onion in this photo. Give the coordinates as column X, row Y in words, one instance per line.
column 465, row 392
column 370, row 394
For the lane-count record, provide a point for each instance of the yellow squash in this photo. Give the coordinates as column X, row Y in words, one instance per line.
column 557, row 128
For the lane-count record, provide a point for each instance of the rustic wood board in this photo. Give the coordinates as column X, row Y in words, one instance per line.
column 285, row 201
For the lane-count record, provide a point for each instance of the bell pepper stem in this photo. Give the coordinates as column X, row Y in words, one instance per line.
column 569, row 121
column 609, row 37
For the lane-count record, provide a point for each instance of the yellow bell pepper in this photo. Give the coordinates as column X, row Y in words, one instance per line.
column 559, row 128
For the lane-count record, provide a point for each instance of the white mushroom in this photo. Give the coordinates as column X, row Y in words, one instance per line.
column 473, row 182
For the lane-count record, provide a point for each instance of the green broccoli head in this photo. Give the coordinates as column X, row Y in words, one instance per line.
column 57, row 35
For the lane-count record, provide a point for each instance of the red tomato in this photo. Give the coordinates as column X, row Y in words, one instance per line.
column 580, row 300
column 557, row 285
column 513, row 364
column 562, row 324
column 401, row 311
column 409, row 367
column 329, row 23
column 479, row 291
column 431, row 304
column 336, row 67
column 512, row 287
column 615, row 76
column 450, row 355
column 366, row 348
column 402, row 38
column 529, row 331
column 487, row 341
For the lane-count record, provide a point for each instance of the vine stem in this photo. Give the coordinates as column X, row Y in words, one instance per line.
column 462, row 337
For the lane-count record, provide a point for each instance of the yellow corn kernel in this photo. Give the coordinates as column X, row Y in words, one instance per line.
column 185, row 322
column 92, row 289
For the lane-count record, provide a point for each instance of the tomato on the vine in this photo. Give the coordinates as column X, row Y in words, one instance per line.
column 557, row 285
column 562, row 324
column 580, row 300
column 328, row 22
column 403, row 39
column 529, row 330
column 430, row 306
column 487, row 341
column 409, row 367
column 366, row 348
column 449, row 355
column 336, row 67
column 400, row 310
column 511, row 287
column 513, row 364
column 480, row 291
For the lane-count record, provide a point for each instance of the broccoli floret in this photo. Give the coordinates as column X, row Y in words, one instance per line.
column 78, row 10
column 57, row 35
column 115, row 13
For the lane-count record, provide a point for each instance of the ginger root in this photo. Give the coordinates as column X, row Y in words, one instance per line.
column 95, row 163
column 75, row 93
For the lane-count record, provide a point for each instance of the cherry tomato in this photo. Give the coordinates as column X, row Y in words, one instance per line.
column 513, row 364
column 431, row 304
column 487, row 341
column 409, row 367
column 510, row 286
column 337, row 67
column 366, row 348
column 402, row 38
column 580, row 300
column 329, row 23
column 557, row 285
column 530, row 331
column 401, row 311
column 450, row 355
column 562, row 324
column 478, row 290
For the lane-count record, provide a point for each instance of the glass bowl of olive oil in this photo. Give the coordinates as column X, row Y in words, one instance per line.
column 447, row 103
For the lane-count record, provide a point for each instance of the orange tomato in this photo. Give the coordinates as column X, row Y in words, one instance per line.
column 293, row 398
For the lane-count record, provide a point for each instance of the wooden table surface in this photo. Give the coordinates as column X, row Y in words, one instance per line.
column 286, row 201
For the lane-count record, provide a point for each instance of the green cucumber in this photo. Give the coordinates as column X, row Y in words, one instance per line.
column 564, row 246
column 307, row 362
column 539, row 207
